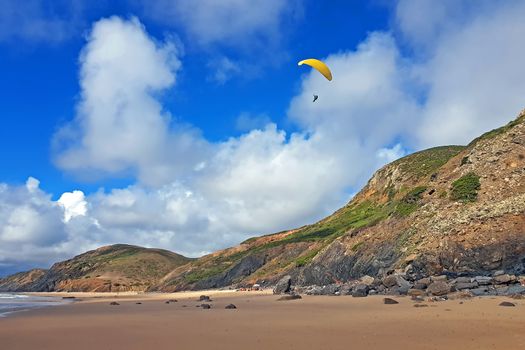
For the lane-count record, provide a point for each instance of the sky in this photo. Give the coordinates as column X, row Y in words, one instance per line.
column 187, row 124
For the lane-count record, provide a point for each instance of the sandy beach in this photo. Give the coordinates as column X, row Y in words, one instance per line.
column 262, row 322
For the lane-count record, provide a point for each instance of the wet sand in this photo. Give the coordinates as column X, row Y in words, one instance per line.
column 261, row 322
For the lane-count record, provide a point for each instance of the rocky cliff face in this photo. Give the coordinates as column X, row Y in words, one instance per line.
column 457, row 210
column 113, row 268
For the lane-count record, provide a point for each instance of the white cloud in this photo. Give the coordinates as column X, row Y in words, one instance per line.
column 232, row 32
column 120, row 124
column 29, row 222
column 233, row 23
column 74, row 204
column 473, row 74
column 32, row 184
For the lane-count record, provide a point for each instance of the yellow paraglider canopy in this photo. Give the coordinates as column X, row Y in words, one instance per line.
column 319, row 65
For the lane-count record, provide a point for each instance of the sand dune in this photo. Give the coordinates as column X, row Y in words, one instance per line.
column 261, row 322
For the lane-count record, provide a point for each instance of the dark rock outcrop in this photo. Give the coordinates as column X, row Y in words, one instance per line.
column 243, row 268
column 360, row 290
column 283, row 286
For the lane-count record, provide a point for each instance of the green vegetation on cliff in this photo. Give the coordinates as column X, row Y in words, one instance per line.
column 306, row 258
column 356, row 216
column 410, row 202
column 465, row 189
column 425, row 163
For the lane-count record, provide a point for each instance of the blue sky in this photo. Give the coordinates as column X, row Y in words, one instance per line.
column 187, row 124
column 45, row 73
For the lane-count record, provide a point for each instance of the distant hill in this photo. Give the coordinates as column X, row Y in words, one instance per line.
column 446, row 209
column 112, row 268
column 21, row 281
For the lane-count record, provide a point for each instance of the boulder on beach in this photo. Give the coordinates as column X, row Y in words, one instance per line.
column 440, row 278
column 466, row 285
column 506, row 303
column 479, row 291
column 438, row 288
column 114, row 303
column 415, row 292
column 360, row 290
column 389, row 281
column 516, row 289
column 483, row 280
column 230, row 306
column 283, row 286
column 423, row 283
column 368, row 280
column 390, row 301
column 464, row 294
column 205, row 306
column 204, row 298
column 504, row 279
column 314, row 290
column 463, row 279
column 397, row 283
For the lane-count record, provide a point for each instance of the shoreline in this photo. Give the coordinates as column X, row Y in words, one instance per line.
column 41, row 300
column 12, row 303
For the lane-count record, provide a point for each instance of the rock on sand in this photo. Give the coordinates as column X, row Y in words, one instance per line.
column 390, row 301
column 283, row 286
